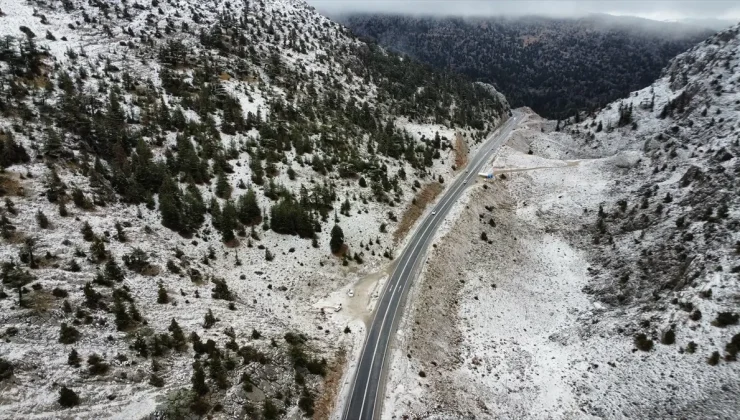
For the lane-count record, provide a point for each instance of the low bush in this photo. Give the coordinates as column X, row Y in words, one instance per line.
column 668, row 337
column 643, row 343
column 68, row 398
column 726, row 318
column 67, row 334
column 6, row 369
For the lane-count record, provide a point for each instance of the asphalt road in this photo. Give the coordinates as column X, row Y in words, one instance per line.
column 366, row 395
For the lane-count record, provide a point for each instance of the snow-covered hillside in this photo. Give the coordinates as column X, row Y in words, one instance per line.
column 172, row 173
column 601, row 268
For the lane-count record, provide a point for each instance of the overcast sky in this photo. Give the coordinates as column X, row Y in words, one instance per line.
column 651, row 9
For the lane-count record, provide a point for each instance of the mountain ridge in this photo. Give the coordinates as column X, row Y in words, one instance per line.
column 601, row 266
column 188, row 185
column 555, row 66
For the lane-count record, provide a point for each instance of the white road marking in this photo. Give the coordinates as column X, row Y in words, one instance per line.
column 430, row 221
column 382, row 363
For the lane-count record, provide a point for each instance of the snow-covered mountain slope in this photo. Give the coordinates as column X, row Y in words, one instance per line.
column 677, row 201
column 172, row 172
column 601, row 267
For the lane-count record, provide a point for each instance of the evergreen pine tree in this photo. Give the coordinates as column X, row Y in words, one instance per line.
column 16, row 278
column 113, row 271
column 228, row 221
column 199, row 379
column 67, row 334
column 198, row 346
column 162, row 296
column 56, row 188
column 290, row 217
column 156, row 380
column 248, row 210
column 134, row 313
column 68, row 398
column 209, row 320
column 169, row 205
column 11, row 152
column 178, row 337
column 221, row 290
column 215, row 209
column 42, row 220
column 337, row 239
column 120, row 233
column 194, row 209
column 73, row 359
column 87, row 232
column 223, row 188
column 53, row 144
column 257, row 171
column 123, row 319
column 217, row 371
column 92, row 297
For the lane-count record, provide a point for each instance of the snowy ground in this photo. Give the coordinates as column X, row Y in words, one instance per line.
column 502, row 329
column 299, row 290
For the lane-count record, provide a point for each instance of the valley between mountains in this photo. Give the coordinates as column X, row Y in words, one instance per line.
column 203, row 201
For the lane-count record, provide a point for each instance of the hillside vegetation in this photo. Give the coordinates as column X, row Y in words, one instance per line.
column 601, row 267
column 183, row 181
column 554, row 66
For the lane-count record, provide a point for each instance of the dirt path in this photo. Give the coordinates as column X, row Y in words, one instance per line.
column 427, row 195
column 461, row 151
column 332, row 384
column 504, row 170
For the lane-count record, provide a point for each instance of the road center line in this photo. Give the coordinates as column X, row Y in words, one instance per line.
column 418, row 240
column 452, row 198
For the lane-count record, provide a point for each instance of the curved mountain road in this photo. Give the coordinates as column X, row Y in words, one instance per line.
column 366, row 395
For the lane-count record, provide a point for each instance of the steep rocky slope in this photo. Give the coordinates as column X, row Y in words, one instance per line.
column 184, row 182
column 601, row 267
